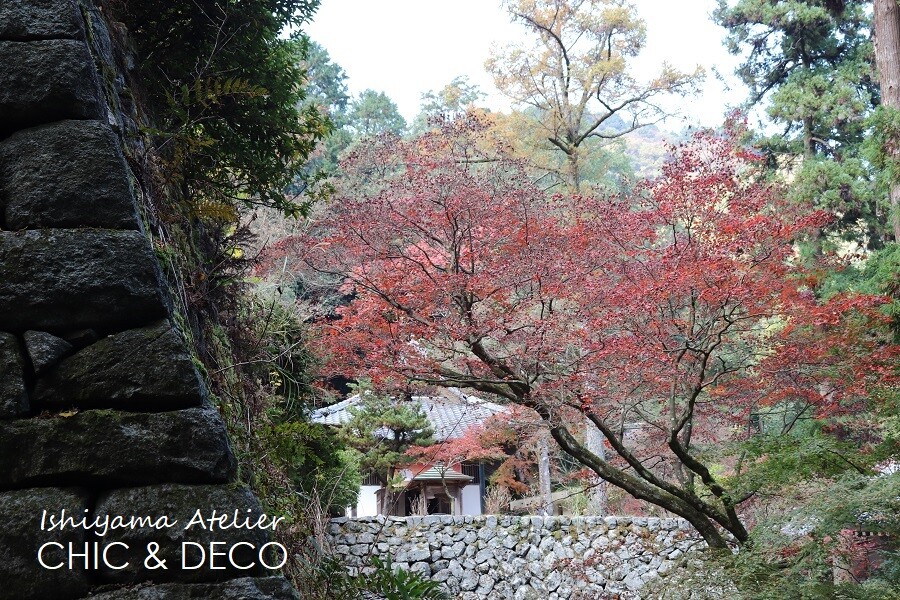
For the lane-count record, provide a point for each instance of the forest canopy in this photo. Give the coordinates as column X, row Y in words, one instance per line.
column 704, row 322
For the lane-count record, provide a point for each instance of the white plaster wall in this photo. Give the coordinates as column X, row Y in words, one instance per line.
column 367, row 505
column 471, row 500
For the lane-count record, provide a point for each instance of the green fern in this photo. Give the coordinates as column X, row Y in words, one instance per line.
column 210, row 92
column 400, row 584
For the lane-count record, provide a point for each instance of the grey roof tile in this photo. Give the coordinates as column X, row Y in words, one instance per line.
column 450, row 413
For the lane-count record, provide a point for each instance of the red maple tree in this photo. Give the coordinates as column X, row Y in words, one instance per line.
column 676, row 310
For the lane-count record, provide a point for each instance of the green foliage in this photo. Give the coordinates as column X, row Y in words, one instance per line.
column 369, row 114
column 382, row 428
column 373, row 113
column 812, row 56
column 880, row 146
column 326, row 83
column 811, row 61
column 880, row 149
column 280, row 370
column 283, row 361
column 813, row 487
column 845, row 188
column 400, row 584
column 795, row 552
column 878, row 274
column 299, row 470
column 316, row 461
column 775, row 462
column 226, row 91
column 327, row 91
column 450, row 102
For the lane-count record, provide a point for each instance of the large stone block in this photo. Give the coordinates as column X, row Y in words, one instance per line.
column 138, row 369
column 25, row 20
column 106, row 447
column 66, row 174
column 245, row 588
column 185, row 507
column 46, row 81
column 21, row 575
column 45, row 350
column 63, row 280
column 13, row 395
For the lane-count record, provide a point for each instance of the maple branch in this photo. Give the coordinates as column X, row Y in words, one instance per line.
column 390, row 300
column 700, row 469
column 746, row 497
column 855, row 466
column 647, row 475
column 632, row 484
column 789, row 426
column 452, row 378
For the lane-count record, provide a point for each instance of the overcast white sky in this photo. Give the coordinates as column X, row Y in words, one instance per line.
column 407, row 47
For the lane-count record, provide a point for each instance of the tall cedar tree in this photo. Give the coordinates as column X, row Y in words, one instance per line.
column 811, row 63
column 677, row 309
column 326, row 90
column 887, row 53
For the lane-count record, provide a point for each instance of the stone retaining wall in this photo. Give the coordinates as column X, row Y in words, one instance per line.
column 102, row 411
column 520, row 558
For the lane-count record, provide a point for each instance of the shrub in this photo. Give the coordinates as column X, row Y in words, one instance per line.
column 225, row 87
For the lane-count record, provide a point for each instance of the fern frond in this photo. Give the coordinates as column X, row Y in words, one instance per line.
column 210, row 210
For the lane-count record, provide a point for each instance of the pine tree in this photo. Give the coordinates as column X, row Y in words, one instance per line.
column 382, row 428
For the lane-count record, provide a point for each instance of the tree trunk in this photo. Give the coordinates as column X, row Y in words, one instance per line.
column 544, row 478
column 809, row 147
column 598, row 503
column 705, row 517
column 887, row 57
column 387, row 499
column 574, row 171
column 644, row 491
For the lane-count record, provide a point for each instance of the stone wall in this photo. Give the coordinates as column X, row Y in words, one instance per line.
column 520, row 558
column 102, row 411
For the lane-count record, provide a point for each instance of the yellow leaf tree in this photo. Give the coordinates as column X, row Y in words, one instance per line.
column 572, row 77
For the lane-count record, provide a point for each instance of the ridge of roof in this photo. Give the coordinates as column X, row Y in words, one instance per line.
column 434, row 473
column 450, row 414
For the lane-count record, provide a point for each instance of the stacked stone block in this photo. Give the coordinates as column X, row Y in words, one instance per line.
column 101, row 408
column 524, row 558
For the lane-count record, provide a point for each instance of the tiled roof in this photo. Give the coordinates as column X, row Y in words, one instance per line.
column 450, row 413
column 434, row 473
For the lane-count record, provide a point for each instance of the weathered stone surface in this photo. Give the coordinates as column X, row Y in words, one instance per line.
column 81, row 337
column 61, row 280
column 187, row 505
column 66, row 174
column 21, row 537
column 45, row 349
column 138, row 369
column 46, row 81
column 116, row 448
column 25, row 20
column 246, row 588
column 13, row 396
column 523, row 557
